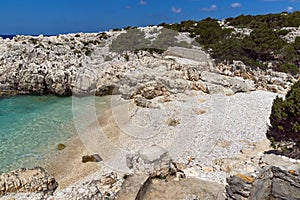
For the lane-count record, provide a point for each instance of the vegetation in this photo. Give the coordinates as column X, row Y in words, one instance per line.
column 264, row 45
column 272, row 21
column 134, row 40
column 131, row 40
column 284, row 132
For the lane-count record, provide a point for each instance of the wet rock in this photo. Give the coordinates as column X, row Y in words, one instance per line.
column 91, row 158
column 35, row 180
column 61, row 146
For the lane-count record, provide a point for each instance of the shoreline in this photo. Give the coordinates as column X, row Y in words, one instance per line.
column 66, row 165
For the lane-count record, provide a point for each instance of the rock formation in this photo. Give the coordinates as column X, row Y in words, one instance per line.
column 84, row 63
column 35, row 180
column 183, row 82
column 271, row 183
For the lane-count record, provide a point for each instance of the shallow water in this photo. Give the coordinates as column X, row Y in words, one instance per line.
column 32, row 126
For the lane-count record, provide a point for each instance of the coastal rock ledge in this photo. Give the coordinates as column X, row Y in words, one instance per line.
column 271, row 183
column 36, row 180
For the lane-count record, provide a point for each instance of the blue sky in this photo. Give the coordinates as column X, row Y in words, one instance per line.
column 67, row 16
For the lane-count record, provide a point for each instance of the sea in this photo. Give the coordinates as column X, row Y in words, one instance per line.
column 7, row 36
column 11, row 36
column 31, row 127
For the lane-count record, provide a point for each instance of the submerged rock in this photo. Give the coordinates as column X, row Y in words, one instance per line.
column 91, row 158
column 61, row 146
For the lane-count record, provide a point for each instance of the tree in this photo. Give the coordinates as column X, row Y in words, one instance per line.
column 284, row 132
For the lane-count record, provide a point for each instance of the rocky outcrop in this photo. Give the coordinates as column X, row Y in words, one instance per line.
column 269, row 80
column 35, row 180
column 134, row 187
column 271, row 183
column 149, row 160
column 78, row 64
column 104, row 187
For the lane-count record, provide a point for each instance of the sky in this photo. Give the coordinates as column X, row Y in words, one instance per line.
column 51, row 17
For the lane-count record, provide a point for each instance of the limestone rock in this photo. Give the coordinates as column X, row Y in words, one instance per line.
column 23, row 180
column 134, row 187
column 187, row 188
column 142, row 102
column 149, row 160
column 270, row 183
column 104, row 187
column 282, row 162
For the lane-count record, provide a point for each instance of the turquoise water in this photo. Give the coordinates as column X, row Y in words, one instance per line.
column 31, row 127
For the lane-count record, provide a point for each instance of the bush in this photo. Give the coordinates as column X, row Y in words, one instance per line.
column 290, row 68
column 131, row 40
column 165, row 39
column 264, row 45
column 284, row 132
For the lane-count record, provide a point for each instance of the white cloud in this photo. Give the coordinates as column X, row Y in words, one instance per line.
column 290, row 8
column 176, row 10
column 143, row 2
column 236, row 5
column 213, row 7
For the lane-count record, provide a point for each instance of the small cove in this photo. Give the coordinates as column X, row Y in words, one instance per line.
column 32, row 126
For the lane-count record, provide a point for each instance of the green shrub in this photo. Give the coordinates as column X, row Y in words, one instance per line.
column 165, row 39
column 264, row 45
column 283, row 32
column 290, row 68
column 131, row 40
column 284, row 131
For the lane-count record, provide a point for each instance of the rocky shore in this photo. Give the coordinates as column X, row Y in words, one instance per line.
column 84, row 63
column 179, row 126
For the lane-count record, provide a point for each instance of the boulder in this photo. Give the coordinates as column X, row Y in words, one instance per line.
column 61, row 146
column 150, row 160
column 134, row 187
column 91, row 158
column 142, row 102
column 186, row 188
column 216, row 83
column 271, row 183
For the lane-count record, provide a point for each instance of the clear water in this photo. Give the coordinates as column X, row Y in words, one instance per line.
column 31, row 127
